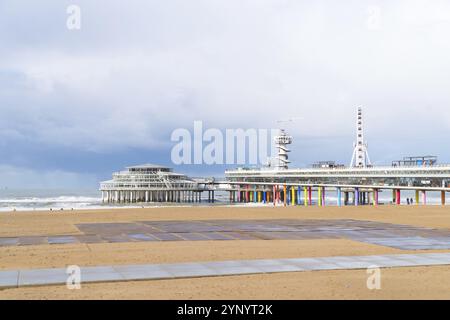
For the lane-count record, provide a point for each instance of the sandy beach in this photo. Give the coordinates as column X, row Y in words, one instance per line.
column 398, row 283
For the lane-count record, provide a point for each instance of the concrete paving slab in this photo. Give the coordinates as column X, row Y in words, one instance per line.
column 339, row 259
column 388, row 263
column 226, row 264
column 355, row 264
column 313, row 264
column 139, row 272
column 32, row 240
column 238, row 271
column 138, row 268
column 445, row 256
column 97, row 270
column 116, row 238
column 42, row 277
column 265, row 262
column 9, row 279
column 166, row 236
column 280, row 268
column 418, row 259
column 141, row 237
column 217, row 236
column 192, row 236
column 9, row 241
column 100, row 277
column 322, row 266
column 89, row 239
column 62, row 240
column 147, row 275
column 301, row 261
column 190, row 271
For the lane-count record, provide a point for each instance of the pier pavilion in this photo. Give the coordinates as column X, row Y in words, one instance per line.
column 152, row 183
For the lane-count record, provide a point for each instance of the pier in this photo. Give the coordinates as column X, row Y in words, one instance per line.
column 358, row 184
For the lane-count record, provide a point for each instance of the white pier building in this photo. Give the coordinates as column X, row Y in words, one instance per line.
column 151, row 183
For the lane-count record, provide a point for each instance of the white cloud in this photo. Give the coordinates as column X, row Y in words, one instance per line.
column 130, row 75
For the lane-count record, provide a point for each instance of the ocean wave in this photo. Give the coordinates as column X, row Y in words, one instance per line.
column 59, row 199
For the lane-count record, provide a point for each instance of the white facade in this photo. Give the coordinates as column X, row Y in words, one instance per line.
column 150, row 183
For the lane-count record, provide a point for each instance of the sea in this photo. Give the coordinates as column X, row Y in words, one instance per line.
column 79, row 199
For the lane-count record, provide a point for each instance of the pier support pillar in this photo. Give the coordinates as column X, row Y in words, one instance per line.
column 319, row 196
column 424, row 195
column 293, row 201
column 284, row 195
column 443, row 198
column 274, row 196
column 324, row 203
column 339, row 198
column 398, row 197
column 417, row 197
column 375, row 197
column 310, row 196
column 356, row 197
column 305, row 196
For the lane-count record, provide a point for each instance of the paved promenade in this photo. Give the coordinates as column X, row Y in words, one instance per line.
column 385, row 234
column 58, row 276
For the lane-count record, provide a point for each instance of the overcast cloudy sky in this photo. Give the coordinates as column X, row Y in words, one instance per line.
column 78, row 104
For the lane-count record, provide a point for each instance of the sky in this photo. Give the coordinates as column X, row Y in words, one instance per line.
column 77, row 105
